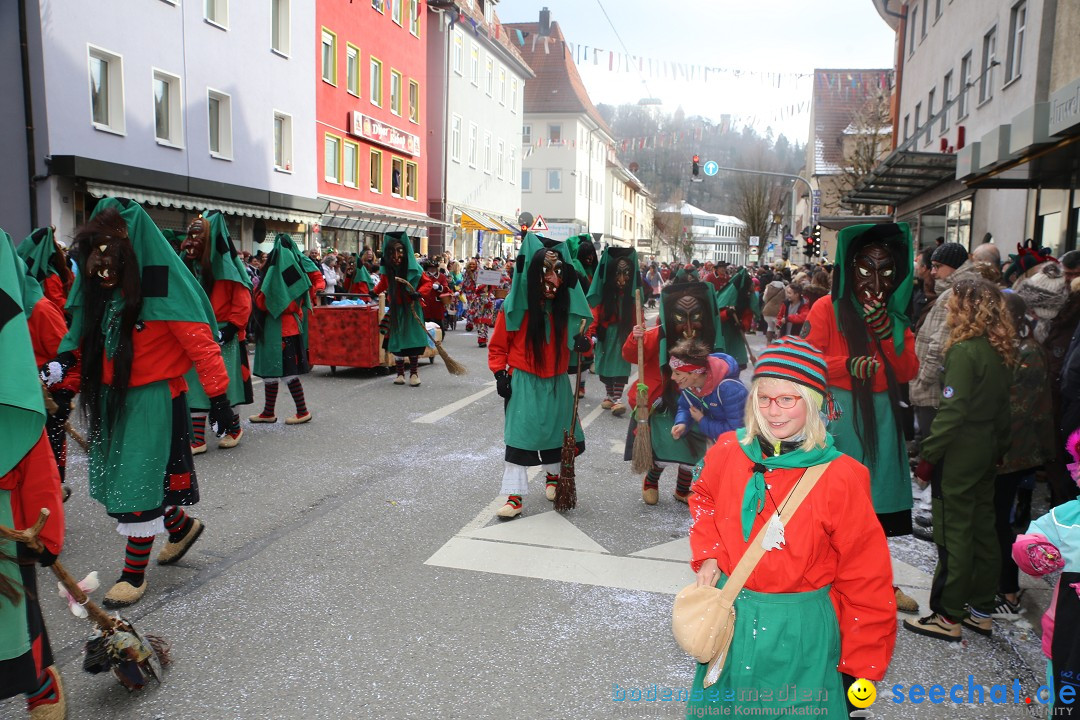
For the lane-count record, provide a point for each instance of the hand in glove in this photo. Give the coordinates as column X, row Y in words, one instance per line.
column 863, row 367
column 502, row 384
column 582, row 344
column 228, row 333
column 56, row 370
column 45, row 558
column 729, row 315
column 221, row 414
column 878, row 320
column 924, row 470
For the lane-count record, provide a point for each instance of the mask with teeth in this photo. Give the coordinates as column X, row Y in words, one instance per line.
column 552, row 278
column 623, row 271
column 874, row 278
column 688, row 316
column 106, row 260
column 196, row 240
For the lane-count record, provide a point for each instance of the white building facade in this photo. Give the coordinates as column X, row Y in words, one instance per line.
column 716, row 238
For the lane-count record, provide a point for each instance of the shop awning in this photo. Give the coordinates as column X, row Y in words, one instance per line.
column 476, row 220
column 901, row 176
column 373, row 219
column 194, row 202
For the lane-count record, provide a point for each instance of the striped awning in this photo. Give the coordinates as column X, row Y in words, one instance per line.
column 145, row 196
column 476, row 220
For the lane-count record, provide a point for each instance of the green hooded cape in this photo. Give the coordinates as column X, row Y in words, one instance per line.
column 607, row 260
column 225, row 262
column 169, row 290
column 517, row 301
column 897, row 304
column 285, row 280
column 739, row 294
column 37, row 251
column 31, row 288
column 362, row 274
column 573, row 244
column 407, row 329
column 608, row 361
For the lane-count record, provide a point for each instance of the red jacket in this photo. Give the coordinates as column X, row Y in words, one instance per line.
column 796, row 318
column 833, row 538
column 825, row 335
column 509, row 351
column 166, row 349
column 232, row 304
column 47, row 329
column 434, row 309
column 290, row 323
column 56, row 291
column 34, row 483
column 402, row 293
column 653, row 376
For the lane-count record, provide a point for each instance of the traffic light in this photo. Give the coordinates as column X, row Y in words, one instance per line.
column 808, row 248
column 694, row 165
column 815, row 238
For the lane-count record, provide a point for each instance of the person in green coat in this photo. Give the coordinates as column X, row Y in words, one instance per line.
column 967, row 440
column 583, row 258
column 403, row 281
column 611, row 297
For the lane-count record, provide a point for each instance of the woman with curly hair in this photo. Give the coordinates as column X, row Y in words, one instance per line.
column 967, row 440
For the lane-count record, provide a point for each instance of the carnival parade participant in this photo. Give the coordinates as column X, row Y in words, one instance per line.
column 403, row 326
column 356, row 278
column 862, row 328
column 711, row 398
column 141, row 321
column 738, row 305
column 817, row 611
column 437, row 288
column 287, row 288
column 47, row 263
column 28, row 482
column 583, row 258
column 611, row 297
column 686, row 313
column 208, row 252
column 530, row 347
column 479, row 303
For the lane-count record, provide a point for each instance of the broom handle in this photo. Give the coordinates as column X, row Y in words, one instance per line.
column 577, row 384
column 641, row 340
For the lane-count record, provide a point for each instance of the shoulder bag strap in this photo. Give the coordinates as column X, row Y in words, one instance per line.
column 756, row 551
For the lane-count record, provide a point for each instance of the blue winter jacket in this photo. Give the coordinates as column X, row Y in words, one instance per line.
column 724, row 406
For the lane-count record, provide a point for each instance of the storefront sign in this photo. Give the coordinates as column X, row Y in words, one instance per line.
column 1065, row 108
column 376, row 131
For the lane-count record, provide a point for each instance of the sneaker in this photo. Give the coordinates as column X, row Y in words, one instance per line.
column 618, row 409
column 298, row 419
column 650, row 495
column 230, row 440
column 123, row 594
column 54, row 709
column 198, row 449
column 934, row 626
column 481, row 343
column 1005, row 610
column 399, row 380
column 681, row 497
column 260, row 418
column 607, row 404
column 549, row 491
column 173, row 551
column 923, row 521
column 905, row 603
column 984, row 626
column 509, row 511
column 414, row 380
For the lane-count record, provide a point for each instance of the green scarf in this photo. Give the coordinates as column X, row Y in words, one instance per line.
column 754, row 494
column 22, row 410
column 37, row 251
column 517, row 301
column 897, row 304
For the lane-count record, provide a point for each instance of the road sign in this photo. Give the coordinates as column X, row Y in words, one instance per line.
column 711, row 168
column 789, row 237
column 540, row 225
column 755, row 241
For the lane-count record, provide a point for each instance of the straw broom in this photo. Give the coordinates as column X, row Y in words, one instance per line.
column 452, row 366
column 566, row 490
column 642, row 458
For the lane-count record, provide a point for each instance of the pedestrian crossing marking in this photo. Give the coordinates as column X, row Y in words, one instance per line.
column 549, row 529
column 678, row 550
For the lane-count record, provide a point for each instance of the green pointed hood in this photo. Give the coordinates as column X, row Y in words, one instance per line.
column 31, row 288
column 573, row 244
column 225, row 262
column 517, row 301
column 413, row 271
column 285, row 278
column 362, row 274
column 897, row 238
column 607, row 265
column 739, row 294
column 22, row 410
column 37, row 251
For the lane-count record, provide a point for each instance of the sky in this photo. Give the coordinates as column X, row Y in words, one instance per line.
column 756, row 37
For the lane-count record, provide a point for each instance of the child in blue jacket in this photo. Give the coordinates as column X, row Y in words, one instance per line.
column 710, row 393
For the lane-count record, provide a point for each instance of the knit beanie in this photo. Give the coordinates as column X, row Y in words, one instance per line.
column 795, row 360
column 951, row 254
column 1044, row 291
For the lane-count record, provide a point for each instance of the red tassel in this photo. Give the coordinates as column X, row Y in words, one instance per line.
column 832, row 408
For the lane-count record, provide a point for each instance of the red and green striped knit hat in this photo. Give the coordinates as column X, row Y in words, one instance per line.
column 795, row 360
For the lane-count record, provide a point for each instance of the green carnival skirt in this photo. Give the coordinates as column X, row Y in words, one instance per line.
column 609, row 359
column 539, row 411
column 687, row 450
column 234, row 353
column 783, row 657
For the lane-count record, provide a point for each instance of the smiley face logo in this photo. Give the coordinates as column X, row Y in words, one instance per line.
column 862, row 693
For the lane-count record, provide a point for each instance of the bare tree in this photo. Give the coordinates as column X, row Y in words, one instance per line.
column 669, row 229
column 866, row 140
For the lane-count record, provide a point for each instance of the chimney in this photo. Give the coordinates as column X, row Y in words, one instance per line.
column 545, row 22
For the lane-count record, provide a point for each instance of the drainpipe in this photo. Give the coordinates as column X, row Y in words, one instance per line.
column 28, row 114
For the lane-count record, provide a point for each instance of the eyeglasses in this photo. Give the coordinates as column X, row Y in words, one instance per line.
column 784, row 402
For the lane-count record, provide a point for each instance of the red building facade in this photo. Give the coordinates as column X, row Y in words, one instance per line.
column 371, row 74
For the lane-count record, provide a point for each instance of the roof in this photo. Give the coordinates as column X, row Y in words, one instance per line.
column 692, row 210
column 498, row 36
column 557, row 87
column 904, row 174
column 838, row 97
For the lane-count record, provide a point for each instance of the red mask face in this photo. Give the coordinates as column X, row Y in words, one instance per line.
column 622, row 275
column 688, row 316
column 397, row 254
column 875, row 275
column 198, row 235
column 552, row 274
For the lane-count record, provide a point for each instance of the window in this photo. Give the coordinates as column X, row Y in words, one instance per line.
column 914, row 26
column 376, row 171
column 379, row 5
column 411, row 174
column 502, row 86
column 526, row 135
column 946, row 90
column 555, row 134
column 219, row 107
column 965, row 83
column 512, row 172
column 414, row 101
column 526, row 180
column 487, row 153
column 375, row 89
column 168, row 109
column 280, row 26
column 489, row 64
column 474, row 64
column 986, row 80
column 513, row 95
column 925, row 15
column 106, row 90
column 455, row 139
column 352, row 69
column 500, row 160
column 329, row 57
column 395, row 92
column 217, row 12
column 554, row 180
column 397, row 165
column 414, row 17
column 395, row 11
column 459, row 52
column 930, row 113
column 907, row 127
column 282, row 142
column 332, row 159
column 472, row 144
column 1015, row 58
column 351, row 163
column 937, row 9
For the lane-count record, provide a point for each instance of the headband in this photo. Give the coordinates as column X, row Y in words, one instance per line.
column 686, row 367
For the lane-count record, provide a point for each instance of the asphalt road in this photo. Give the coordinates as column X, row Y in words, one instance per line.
column 352, row 568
